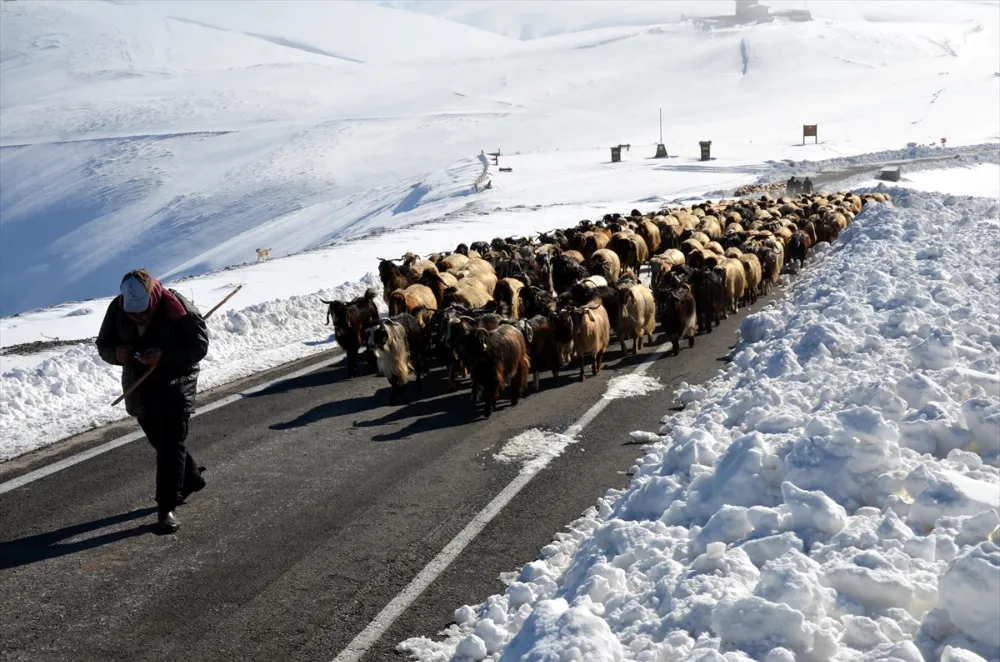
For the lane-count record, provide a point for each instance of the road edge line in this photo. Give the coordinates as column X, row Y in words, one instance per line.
column 83, row 456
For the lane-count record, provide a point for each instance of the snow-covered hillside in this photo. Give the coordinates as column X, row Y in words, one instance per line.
column 833, row 495
column 181, row 136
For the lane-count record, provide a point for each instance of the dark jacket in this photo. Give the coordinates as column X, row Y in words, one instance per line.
column 172, row 386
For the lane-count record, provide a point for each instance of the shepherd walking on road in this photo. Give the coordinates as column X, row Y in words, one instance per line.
column 150, row 325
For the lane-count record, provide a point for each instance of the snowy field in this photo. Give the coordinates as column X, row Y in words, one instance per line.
column 833, row 495
column 184, row 135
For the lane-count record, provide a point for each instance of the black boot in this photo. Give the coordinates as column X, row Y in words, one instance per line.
column 192, row 486
column 168, row 522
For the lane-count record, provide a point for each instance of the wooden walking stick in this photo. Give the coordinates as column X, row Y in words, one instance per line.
column 150, row 369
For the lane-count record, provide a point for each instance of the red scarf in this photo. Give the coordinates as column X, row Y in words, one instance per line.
column 158, row 296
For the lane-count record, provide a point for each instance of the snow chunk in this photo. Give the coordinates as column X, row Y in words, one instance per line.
column 969, row 593
column 556, row 631
column 952, row 654
column 765, row 549
column 982, row 416
column 471, row 648
column 949, row 494
column 813, row 510
column 753, row 622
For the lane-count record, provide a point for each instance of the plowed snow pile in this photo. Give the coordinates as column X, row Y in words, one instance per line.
column 833, row 495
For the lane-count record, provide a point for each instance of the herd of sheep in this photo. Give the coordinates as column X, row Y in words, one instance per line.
column 498, row 311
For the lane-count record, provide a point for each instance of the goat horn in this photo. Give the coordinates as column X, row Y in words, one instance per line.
column 326, row 302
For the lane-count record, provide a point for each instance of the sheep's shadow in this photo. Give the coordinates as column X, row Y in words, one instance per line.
column 333, row 409
column 424, row 414
column 335, row 373
column 316, row 343
column 431, row 387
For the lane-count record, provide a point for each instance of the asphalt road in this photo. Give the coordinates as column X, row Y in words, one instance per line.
column 322, row 504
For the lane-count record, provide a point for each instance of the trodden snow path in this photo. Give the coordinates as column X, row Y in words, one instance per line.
column 833, row 495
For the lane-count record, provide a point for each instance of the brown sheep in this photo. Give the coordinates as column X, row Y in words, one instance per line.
column 798, row 248
column 452, row 263
column 701, row 237
column 733, row 252
column 752, row 270
column 413, row 297
column 591, row 334
column 670, row 232
column 771, row 264
column 678, row 314
column 417, row 268
column 508, row 291
column 470, row 292
column 650, row 234
column 736, row 283
column 674, row 256
column 630, row 248
column 659, row 267
column 611, row 266
column 576, row 256
column 636, row 315
column 594, row 242
column 480, row 271
column 498, row 358
column 438, row 283
column 393, row 277
column 543, row 349
column 711, row 259
column 696, row 258
column 711, row 226
column 715, row 247
column 350, row 320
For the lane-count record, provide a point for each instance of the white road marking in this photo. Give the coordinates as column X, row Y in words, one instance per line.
column 67, row 462
column 385, row 618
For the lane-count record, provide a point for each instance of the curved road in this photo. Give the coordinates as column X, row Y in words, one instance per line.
column 322, row 504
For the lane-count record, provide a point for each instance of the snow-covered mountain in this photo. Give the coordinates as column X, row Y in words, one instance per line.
column 180, row 136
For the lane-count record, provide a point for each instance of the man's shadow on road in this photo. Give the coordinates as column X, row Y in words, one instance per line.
column 44, row 546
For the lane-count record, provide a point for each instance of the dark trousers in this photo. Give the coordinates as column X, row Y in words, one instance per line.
column 175, row 468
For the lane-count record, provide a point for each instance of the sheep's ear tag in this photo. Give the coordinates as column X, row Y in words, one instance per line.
column 484, row 344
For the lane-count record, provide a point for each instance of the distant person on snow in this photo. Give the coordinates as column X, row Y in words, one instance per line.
column 792, row 187
column 807, row 186
column 150, row 325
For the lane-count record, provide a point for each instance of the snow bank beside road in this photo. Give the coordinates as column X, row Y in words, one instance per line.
column 832, row 496
column 70, row 392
